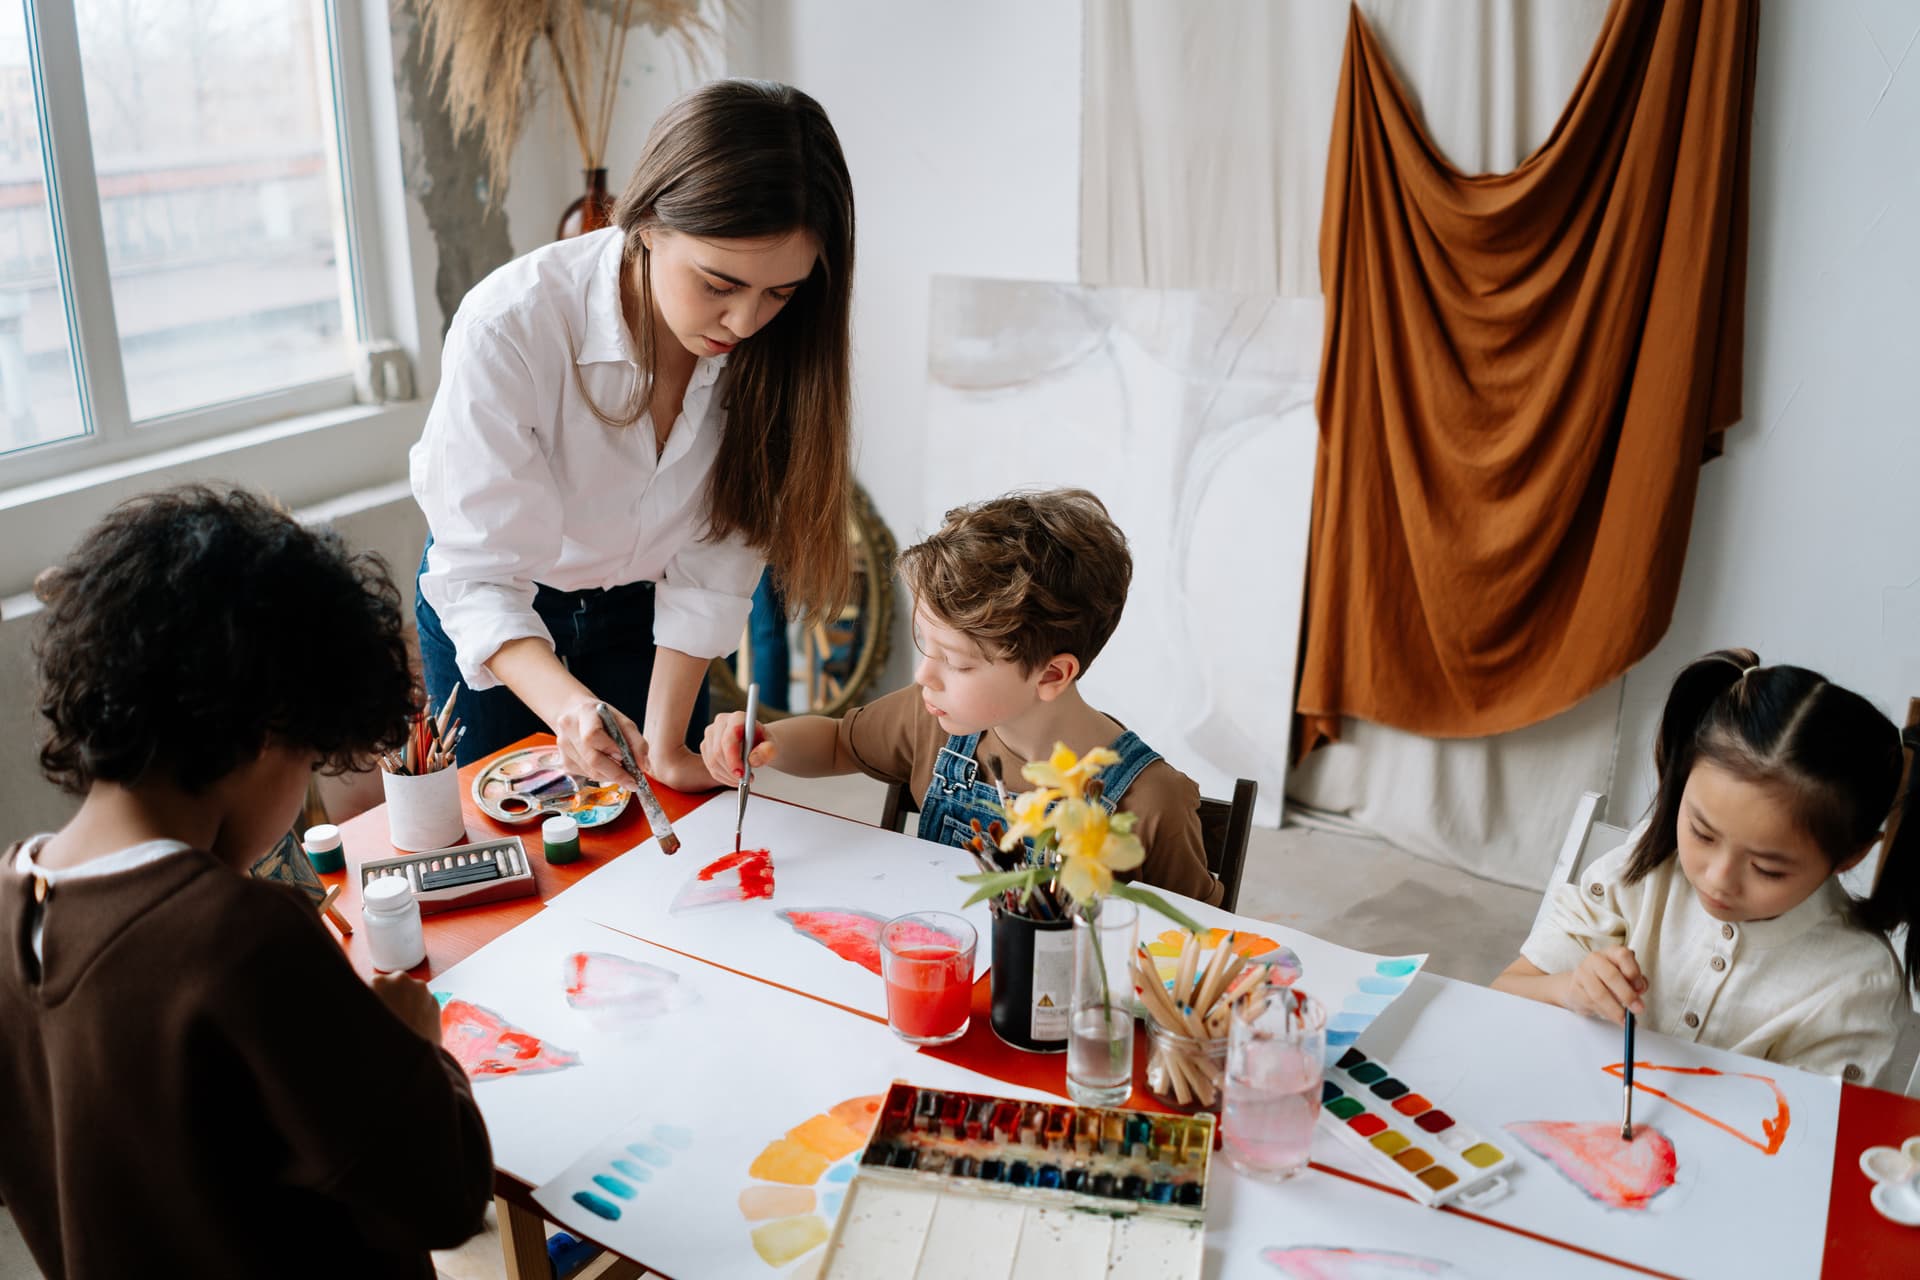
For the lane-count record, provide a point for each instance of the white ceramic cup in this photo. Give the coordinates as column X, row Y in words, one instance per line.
column 423, row 810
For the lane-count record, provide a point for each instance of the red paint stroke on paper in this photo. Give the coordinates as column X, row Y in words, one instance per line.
column 855, row 935
column 1620, row 1175
column 738, row 877
column 1328, row 1262
column 1774, row 1130
column 487, row 1046
column 613, row 989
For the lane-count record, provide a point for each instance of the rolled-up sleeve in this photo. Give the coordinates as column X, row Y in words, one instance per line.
column 702, row 601
column 482, row 477
column 1582, row 917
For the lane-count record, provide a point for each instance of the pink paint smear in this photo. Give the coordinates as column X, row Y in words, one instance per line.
column 855, row 935
column 487, row 1046
column 1620, row 1175
column 1326, row 1262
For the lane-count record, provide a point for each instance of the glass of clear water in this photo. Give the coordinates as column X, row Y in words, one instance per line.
column 1100, row 1024
column 1276, row 1057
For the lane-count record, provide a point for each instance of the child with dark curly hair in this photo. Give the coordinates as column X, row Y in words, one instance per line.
column 192, row 1079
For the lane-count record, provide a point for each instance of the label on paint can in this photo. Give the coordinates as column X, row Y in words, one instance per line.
column 1052, row 983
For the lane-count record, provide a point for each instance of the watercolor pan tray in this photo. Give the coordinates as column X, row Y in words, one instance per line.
column 959, row 1186
column 1416, row 1147
column 502, row 862
column 496, row 790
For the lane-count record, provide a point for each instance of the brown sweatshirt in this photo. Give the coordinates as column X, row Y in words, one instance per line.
column 193, row 1082
column 896, row 739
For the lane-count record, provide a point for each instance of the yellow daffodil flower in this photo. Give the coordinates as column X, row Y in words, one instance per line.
column 1067, row 773
column 1027, row 815
column 1093, row 846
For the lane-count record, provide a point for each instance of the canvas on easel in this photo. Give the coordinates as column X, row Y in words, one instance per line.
column 287, row 863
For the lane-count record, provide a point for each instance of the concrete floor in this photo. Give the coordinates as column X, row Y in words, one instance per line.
column 1359, row 892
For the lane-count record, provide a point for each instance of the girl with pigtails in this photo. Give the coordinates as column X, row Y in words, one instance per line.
column 1722, row 919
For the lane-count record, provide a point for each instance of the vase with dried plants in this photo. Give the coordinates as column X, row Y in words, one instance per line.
column 487, row 57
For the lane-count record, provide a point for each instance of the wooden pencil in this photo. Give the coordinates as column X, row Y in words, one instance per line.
column 1189, row 958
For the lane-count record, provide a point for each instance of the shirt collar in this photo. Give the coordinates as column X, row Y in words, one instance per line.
column 1829, row 899
column 607, row 340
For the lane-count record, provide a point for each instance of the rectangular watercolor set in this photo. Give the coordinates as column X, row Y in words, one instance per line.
column 462, row 876
column 959, row 1186
column 1420, row 1149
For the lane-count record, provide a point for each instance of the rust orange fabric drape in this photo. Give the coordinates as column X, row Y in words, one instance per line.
column 1522, row 374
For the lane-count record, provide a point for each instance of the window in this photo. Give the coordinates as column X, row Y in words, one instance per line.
column 178, row 245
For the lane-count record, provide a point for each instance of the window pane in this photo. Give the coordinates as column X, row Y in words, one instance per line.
column 211, row 121
column 38, row 398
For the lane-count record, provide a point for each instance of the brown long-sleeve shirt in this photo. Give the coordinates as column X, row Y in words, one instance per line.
column 193, row 1081
column 896, row 739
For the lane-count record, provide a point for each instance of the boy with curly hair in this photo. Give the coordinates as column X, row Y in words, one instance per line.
column 1013, row 599
column 192, row 1079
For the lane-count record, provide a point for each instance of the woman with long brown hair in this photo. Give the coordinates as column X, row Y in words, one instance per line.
column 629, row 425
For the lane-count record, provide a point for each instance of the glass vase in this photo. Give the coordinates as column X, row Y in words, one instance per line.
column 1100, row 1027
column 588, row 212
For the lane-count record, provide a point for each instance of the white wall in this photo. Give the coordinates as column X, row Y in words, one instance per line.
column 1806, row 541
column 961, row 127
column 547, row 174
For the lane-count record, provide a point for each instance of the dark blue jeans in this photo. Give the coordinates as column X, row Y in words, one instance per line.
column 772, row 658
column 604, row 636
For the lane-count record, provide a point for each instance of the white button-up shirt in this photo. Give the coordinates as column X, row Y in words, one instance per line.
column 522, row 485
column 1808, row 988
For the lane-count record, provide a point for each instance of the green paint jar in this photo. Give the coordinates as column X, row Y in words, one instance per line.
column 561, row 836
column 324, row 851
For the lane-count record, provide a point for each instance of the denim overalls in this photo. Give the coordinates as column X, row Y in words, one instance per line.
column 955, row 795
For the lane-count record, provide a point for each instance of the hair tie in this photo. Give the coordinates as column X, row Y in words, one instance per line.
column 1749, row 671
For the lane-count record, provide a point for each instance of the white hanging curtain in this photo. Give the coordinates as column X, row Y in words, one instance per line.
column 1203, row 160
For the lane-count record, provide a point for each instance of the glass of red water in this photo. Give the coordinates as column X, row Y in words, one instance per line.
column 927, row 961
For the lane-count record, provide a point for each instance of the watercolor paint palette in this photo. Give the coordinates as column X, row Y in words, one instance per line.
column 1421, row 1149
column 962, row 1185
column 462, row 876
column 533, row 783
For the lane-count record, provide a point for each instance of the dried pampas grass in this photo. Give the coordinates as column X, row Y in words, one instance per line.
column 481, row 55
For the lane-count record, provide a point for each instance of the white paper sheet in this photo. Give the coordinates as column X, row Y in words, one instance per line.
column 1318, row 1226
column 735, row 1162
column 1495, row 1060
column 833, row 873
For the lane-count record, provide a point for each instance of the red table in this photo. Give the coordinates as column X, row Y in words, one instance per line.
column 1861, row 1245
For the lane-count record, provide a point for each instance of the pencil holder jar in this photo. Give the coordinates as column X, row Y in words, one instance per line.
column 423, row 810
column 1032, row 981
column 1185, row 1073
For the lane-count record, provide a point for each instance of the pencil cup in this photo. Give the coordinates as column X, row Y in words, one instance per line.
column 1185, row 1073
column 1032, row 981
column 423, row 810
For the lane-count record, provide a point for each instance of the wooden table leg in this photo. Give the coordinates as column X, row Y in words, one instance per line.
column 611, row 1266
column 523, row 1241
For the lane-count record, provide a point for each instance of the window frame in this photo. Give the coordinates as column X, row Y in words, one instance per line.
column 306, row 443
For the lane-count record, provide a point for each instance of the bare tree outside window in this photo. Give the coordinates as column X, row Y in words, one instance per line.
column 211, row 123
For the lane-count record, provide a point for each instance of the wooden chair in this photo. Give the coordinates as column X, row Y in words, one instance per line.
column 1586, row 835
column 1224, row 828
